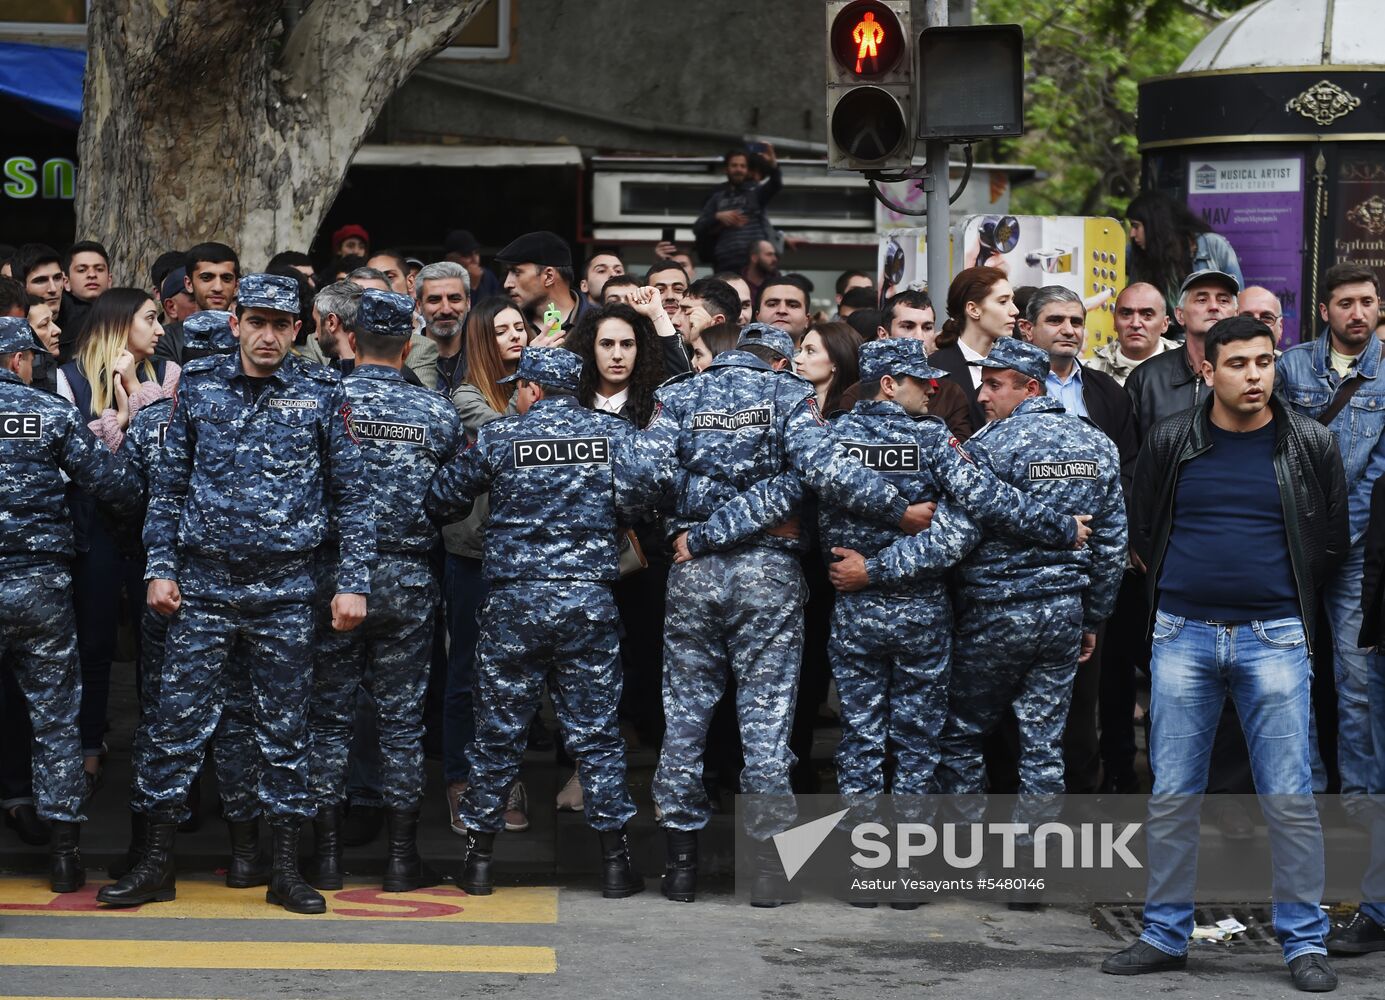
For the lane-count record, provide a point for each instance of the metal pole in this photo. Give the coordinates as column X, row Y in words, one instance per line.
column 937, row 188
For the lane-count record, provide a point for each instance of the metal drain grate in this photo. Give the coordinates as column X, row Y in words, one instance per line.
column 1124, row 923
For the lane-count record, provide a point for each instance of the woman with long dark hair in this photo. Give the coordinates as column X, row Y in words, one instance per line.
column 1168, row 242
column 112, row 376
column 980, row 310
column 494, row 339
column 827, row 358
column 622, row 361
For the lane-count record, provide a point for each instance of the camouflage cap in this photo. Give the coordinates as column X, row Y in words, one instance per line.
column 209, row 329
column 17, row 335
column 896, row 356
column 388, row 314
column 1016, row 355
column 268, row 291
column 764, row 335
column 552, row 367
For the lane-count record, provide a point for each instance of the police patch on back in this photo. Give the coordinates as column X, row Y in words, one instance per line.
column 885, row 458
column 1073, row 468
column 389, row 432
column 21, row 426
column 538, row 452
column 717, row 420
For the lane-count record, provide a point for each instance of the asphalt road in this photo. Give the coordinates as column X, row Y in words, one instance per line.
column 546, row 942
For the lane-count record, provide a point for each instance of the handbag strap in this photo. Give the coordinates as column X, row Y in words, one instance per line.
column 1344, row 393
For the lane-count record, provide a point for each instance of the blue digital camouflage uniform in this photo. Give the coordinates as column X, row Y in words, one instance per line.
column 727, row 451
column 239, row 504
column 141, row 449
column 550, row 558
column 406, row 433
column 891, row 643
column 1021, row 610
column 208, row 331
column 41, row 437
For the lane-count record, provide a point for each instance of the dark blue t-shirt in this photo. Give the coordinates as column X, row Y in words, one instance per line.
column 1228, row 556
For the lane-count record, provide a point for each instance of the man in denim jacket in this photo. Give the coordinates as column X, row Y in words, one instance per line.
column 1311, row 376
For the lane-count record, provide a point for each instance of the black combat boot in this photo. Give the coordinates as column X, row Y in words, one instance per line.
column 324, row 870
column 153, row 880
column 618, row 876
column 770, row 888
column 680, row 869
column 286, row 885
column 248, row 867
column 404, row 869
column 476, row 877
column 65, row 862
column 135, row 851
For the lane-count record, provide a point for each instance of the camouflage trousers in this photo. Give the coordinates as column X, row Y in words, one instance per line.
column 38, row 641
column 1021, row 654
column 562, row 631
column 891, row 655
column 389, row 653
column 740, row 611
column 230, row 636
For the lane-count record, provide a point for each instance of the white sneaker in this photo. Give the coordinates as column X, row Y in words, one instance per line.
column 570, row 798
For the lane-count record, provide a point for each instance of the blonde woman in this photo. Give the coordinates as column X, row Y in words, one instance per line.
column 114, row 373
column 112, row 376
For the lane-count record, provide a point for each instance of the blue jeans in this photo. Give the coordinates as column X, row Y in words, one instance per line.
column 1352, row 668
column 1373, row 885
column 1264, row 667
column 464, row 590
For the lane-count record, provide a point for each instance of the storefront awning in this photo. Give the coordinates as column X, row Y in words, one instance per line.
column 47, row 80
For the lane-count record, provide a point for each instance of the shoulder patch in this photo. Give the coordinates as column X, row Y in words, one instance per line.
column 956, row 446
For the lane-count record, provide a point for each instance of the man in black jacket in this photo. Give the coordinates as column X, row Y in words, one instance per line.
column 1239, row 512
column 1055, row 321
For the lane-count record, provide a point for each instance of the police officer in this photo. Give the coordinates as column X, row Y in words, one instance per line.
column 41, row 438
column 731, row 445
column 206, row 332
column 406, row 433
column 258, row 456
column 550, row 558
column 1025, row 614
column 891, row 644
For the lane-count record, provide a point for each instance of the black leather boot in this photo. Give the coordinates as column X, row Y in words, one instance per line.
column 134, row 852
column 680, row 870
column 324, row 870
column 248, row 867
column 770, row 887
column 153, row 880
column 618, row 876
column 65, row 862
column 476, row 877
column 286, row 885
column 404, row 869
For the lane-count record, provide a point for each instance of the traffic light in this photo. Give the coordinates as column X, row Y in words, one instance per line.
column 869, row 98
column 971, row 81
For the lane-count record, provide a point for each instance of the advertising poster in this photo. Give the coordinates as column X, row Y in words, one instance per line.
column 1083, row 253
column 903, row 263
column 1257, row 204
column 1360, row 222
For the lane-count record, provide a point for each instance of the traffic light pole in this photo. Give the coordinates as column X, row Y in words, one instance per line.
column 936, row 200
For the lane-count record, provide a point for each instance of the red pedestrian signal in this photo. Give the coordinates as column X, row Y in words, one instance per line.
column 869, row 100
column 866, row 39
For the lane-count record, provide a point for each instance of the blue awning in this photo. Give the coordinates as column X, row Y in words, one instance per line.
column 47, row 79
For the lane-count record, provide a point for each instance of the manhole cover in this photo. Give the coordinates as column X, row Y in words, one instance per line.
column 1125, row 923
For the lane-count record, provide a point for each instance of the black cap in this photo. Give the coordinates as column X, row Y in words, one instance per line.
column 460, row 241
column 542, row 248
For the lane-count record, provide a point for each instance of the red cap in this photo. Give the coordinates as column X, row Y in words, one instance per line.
column 346, row 232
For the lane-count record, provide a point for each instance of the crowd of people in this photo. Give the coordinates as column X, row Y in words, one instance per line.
column 317, row 492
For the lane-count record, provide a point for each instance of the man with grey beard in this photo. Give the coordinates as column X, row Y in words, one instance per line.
column 443, row 294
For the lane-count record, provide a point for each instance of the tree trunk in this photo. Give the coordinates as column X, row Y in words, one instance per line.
column 215, row 120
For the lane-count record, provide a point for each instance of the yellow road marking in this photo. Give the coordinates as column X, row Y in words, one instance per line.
column 213, row 901
column 263, row 955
